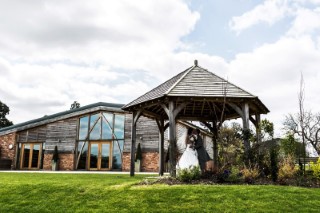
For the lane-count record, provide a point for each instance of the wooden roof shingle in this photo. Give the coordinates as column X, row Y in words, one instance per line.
column 193, row 82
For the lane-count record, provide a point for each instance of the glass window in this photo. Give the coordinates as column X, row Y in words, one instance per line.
column 109, row 118
column 117, row 154
column 30, row 157
column 93, row 119
column 106, row 130
column 105, row 127
column 95, row 133
column 83, row 127
column 82, row 151
column 119, row 126
column 35, row 156
column 26, row 155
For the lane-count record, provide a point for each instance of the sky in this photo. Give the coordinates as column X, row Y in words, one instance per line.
column 53, row 53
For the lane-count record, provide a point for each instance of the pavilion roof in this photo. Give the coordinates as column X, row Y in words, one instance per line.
column 197, row 83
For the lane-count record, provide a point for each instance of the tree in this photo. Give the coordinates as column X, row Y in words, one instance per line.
column 4, row 110
column 230, row 144
column 290, row 146
column 305, row 123
column 267, row 130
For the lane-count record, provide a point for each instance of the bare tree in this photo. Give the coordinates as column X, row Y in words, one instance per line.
column 305, row 124
column 308, row 129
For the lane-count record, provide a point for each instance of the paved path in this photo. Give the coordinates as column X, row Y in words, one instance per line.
column 79, row 172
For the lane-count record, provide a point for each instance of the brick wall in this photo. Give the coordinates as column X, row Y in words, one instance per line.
column 5, row 152
column 65, row 162
column 150, row 161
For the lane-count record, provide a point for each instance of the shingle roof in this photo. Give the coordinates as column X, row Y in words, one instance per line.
column 194, row 82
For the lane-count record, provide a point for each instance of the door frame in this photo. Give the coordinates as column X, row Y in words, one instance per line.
column 99, row 155
column 30, row 156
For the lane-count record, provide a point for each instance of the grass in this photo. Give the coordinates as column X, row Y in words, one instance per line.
column 43, row 192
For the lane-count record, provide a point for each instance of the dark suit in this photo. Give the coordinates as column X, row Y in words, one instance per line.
column 202, row 153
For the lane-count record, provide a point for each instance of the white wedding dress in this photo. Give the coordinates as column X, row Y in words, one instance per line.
column 188, row 159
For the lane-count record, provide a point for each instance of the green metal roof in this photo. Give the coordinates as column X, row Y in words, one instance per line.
column 61, row 114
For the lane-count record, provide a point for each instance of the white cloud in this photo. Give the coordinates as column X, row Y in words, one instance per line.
column 269, row 12
column 272, row 72
column 55, row 52
column 307, row 21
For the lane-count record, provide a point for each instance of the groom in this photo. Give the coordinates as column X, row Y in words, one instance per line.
column 202, row 153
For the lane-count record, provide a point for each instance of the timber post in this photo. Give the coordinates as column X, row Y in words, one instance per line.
column 258, row 128
column 172, row 139
column 160, row 124
column 246, row 129
column 215, row 144
column 135, row 118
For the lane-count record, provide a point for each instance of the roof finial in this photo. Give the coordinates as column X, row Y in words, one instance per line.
column 195, row 62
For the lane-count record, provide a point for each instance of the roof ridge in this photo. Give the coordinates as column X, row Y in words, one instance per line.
column 186, row 72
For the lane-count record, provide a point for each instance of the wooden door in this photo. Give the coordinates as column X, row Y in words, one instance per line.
column 100, row 156
column 30, row 155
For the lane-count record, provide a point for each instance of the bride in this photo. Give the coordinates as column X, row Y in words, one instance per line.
column 189, row 157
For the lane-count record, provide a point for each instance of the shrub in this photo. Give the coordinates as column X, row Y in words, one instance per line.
column 287, row 168
column 139, row 153
column 223, row 175
column 55, row 156
column 315, row 167
column 250, row 174
column 234, row 175
column 274, row 164
column 187, row 175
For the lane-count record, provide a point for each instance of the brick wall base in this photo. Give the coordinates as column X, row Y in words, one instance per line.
column 5, row 152
column 150, row 161
column 65, row 162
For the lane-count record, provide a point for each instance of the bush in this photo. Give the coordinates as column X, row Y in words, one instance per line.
column 187, row 175
column 139, row 153
column 223, row 175
column 55, row 156
column 287, row 168
column 315, row 167
column 274, row 164
column 234, row 175
column 250, row 174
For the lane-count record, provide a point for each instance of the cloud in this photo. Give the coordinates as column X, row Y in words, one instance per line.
column 55, row 52
column 273, row 71
column 108, row 32
column 269, row 12
column 307, row 21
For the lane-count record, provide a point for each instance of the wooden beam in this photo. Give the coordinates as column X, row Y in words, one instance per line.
column 135, row 117
column 203, row 103
column 165, row 108
column 236, row 108
column 150, row 114
column 258, row 129
column 194, row 103
column 160, row 124
column 166, row 126
column 246, row 128
column 179, row 108
column 253, row 121
column 172, row 139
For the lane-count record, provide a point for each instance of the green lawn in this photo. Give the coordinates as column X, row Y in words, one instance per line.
column 40, row 192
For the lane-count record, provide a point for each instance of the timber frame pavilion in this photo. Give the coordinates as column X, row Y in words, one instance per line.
column 195, row 94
